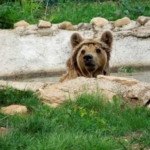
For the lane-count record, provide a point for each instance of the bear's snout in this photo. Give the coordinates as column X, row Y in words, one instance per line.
column 87, row 58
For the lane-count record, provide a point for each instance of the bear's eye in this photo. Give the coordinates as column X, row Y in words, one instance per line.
column 98, row 51
column 83, row 52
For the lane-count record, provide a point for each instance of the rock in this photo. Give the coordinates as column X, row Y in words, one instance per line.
column 3, row 131
column 148, row 106
column 44, row 24
column 131, row 91
column 21, row 23
column 142, row 20
column 122, row 22
column 98, row 21
column 12, row 109
column 66, row 25
column 131, row 25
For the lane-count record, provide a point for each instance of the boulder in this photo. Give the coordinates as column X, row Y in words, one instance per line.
column 13, row 109
column 66, row 25
column 142, row 20
column 21, row 23
column 122, row 22
column 3, row 131
column 98, row 21
column 131, row 91
column 44, row 24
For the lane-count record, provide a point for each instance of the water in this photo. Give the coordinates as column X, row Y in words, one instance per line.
column 141, row 76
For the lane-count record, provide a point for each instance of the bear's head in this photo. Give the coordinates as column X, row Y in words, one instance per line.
column 90, row 57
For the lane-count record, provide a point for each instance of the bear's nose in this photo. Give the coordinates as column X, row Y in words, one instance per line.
column 87, row 57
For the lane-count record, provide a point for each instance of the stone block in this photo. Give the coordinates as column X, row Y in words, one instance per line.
column 122, row 22
column 21, row 23
column 98, row 21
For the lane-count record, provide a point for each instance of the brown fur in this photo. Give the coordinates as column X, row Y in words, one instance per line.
column 89, row 57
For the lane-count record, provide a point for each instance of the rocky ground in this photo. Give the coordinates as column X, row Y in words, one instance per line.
column 131, row 91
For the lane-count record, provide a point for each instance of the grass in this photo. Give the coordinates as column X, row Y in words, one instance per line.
column 85, row 124
column 84, row 12
column 129, row 69
column 73, row 11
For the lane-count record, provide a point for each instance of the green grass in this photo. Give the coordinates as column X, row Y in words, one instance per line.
column 75, row 12
column 129, row 69
column 12, row 96
column 85, row 124
column 84, row 12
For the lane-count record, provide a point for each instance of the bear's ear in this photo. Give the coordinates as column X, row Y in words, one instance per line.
column 107, row 38
column 75, row 39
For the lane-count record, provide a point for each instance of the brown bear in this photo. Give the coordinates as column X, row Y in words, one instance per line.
column 89, row 57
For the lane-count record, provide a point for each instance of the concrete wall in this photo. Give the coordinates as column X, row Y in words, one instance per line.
column 23, row 51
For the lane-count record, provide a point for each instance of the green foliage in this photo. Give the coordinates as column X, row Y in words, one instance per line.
column 11, row 12
column 127, row 69
column 82, row 11
column 88, row 123
column 13, row 96
column 136, row 8
column 71, row 10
